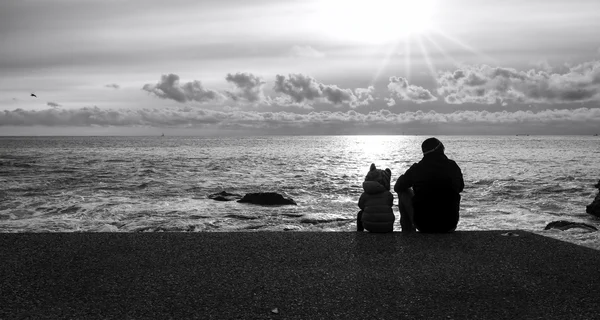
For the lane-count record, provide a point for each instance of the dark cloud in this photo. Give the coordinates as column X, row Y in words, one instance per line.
column 298, row 87
column 337, row 95
column 248, row 87
column 113, row 86
column 302, row 89
column 169, row 88
column 489, row 85
column 400, row 89
column 53, row 104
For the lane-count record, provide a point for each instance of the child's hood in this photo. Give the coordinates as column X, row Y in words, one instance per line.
column 377, row 180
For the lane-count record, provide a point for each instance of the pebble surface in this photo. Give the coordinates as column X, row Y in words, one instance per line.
column 296, row 275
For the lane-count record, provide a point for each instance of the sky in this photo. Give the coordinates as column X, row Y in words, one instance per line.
column 306, row 67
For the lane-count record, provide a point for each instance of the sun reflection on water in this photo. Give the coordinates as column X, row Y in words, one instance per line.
column 392, row 152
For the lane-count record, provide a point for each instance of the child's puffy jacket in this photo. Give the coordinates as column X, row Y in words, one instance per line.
column 377, row 201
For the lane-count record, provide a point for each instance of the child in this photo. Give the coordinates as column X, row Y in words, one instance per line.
column 376, row 214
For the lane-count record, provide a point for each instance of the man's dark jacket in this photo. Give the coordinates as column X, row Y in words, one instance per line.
column 436, row 182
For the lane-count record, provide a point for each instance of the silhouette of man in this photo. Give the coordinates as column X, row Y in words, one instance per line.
column 429, row 191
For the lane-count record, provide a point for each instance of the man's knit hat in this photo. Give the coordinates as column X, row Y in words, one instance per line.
column 432, row 145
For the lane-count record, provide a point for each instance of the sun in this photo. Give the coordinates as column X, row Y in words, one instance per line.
column 375, row 21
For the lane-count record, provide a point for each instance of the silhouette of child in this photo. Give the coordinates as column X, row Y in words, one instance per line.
column 376, row 214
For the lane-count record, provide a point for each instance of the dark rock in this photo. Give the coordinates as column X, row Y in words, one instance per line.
column 224, row 196
column 266, row 198
column 594, row 207
column 564, row 225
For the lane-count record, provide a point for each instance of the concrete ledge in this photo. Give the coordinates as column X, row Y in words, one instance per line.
column 305, row 275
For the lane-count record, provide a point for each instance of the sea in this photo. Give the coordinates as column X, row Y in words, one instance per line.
column 162, row 183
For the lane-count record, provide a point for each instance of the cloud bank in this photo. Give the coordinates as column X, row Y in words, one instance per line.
column 489, row 85
column 474, row 84
column 328, row 122
column 294, row 90
column 483, row 85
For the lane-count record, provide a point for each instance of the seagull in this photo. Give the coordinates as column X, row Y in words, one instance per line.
column 33, row 95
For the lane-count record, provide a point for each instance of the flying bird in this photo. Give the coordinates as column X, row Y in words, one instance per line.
column 33, row 95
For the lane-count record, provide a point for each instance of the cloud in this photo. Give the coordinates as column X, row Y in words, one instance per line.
column 489, row 85
column 248, row 87
column 169, row 88
column 337, row 95
column 53, row 104
column 306, row 52
column 324, row 122
column 298, row 87
column 400, row 89
column 303, row 89
column 364, row 96
column 113, row 85
column 543, row 65
column 94, row 116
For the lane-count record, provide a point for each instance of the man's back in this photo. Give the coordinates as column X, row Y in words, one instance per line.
column 434, row 172
column 436, row 182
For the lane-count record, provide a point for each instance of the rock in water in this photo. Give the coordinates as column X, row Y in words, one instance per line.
column 594, row 207
column 224, row 196
column 564, row 225
column 266, row 198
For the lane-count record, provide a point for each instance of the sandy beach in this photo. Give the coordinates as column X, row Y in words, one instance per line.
column 296, row 275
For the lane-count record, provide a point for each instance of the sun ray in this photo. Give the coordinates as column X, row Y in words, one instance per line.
column 442, row 51
column 427, row 58
column 407, row 54
column 385, row 61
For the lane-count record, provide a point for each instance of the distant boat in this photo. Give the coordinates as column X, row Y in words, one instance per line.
column 163, row 134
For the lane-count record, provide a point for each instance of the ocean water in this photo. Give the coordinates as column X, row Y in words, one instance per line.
column 153, row 184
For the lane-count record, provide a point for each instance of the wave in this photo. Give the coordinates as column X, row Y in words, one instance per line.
column 118, row 160
column 492, row 181
column 242, row 216
column 554, row 189
column 317, row 218
column 483, row 182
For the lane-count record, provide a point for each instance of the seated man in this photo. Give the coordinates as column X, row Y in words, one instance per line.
column 436, row 181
